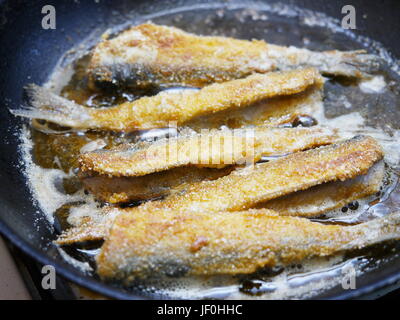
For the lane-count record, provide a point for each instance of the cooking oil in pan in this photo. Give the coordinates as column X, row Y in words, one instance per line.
column 50, row 152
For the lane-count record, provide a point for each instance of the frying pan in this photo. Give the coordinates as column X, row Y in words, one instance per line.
column 29, row 54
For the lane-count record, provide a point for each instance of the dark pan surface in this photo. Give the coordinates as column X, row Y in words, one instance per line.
column 30, row 53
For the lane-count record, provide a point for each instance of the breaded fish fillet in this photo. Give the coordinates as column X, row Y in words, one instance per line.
column 155, row 185
column 328, row 196
column 308, row 203
column 169, row 243
column 211, row 148
column 166, row 107
column 247, row 187
column 153, row 55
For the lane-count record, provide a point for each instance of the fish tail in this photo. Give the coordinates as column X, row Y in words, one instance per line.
column 45, row 105
column 377, row 230
column 360, row 63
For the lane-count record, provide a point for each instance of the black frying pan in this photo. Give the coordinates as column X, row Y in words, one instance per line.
column 28, row 54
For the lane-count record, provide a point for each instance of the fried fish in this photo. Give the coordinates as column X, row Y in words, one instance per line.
column 154, row 55
column 165, row 243
column 211, row 148
column 328, row 196
column 247, row 188
column 170, row 106
column 308, row 203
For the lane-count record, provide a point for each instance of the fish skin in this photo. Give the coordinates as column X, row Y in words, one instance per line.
column 177, row 107
column 165, row 243
column 154, row 55
column 211, row 148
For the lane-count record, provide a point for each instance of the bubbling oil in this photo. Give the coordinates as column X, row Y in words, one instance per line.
column 55, row 151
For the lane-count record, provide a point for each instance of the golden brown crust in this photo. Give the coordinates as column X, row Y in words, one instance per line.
column 153, row 55
column 172, row 108
column 328, row 196
column 215, row 148
column 308, row 203
column 170, row 243
column 245, row 188
column 180, row 107
column 174, row 244
column 159, row 55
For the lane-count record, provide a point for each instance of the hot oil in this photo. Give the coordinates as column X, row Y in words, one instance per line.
column 347, row 107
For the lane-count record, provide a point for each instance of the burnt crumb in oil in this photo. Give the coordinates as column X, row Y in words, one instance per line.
column 353, row 205
column 255, row 287
column 345, row 81
column 100, row 205
column 262, row 274
column 304, row 121
column 374, row 202
column 258, row 283
column 250, row 287
column 130, row 204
